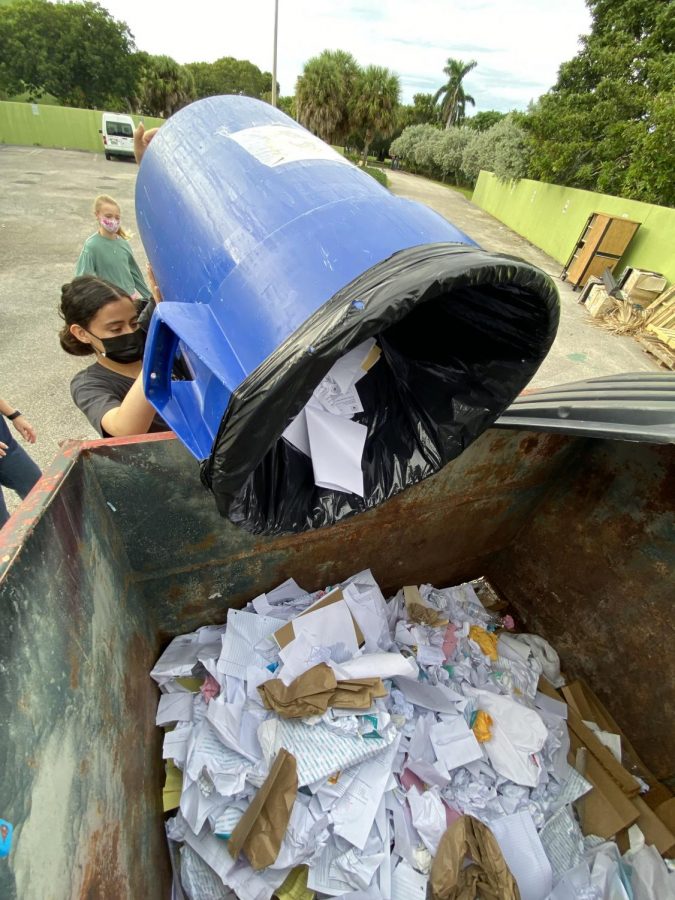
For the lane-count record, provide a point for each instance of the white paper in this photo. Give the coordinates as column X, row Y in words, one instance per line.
column 296, row 433
column 337, row 446
column 175, row 707
column 226, row 768
column 319, row 751
column 430, row 696
column 550, row 705
column 408, row 884
column 212, row 850
column 454, row 743
column 524, row 855
column 178, row 660
column 244, row 631
column 176, row 744
column 354, row 814
column 348, row 370
column 370, row 614
column 563, row 842
column 298, row 657
column 328, row 625
column 428, row 816
column 236, row 727
column 376, row 665
column 196, row 807
column 517, row 734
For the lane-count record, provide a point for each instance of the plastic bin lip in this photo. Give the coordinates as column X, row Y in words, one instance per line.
column 389, row 292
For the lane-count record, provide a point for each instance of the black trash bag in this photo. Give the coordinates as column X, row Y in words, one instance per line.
column 462, row 332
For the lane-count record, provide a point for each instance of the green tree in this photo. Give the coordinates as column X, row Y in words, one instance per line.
column 607, row 124
column 228, row 75
column 503, row 149
column 75, row 51
column 322, row 94
column 164, row 86
column 481, row 121
column 287, row 105
column 374, row 104
column 452, row 96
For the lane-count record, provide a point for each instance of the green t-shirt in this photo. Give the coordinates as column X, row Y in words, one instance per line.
column 113, row 261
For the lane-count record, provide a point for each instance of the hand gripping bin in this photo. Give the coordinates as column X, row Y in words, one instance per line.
column 275, row 256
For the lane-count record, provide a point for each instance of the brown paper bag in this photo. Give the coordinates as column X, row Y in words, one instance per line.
column 261, row 829
column 488, row 877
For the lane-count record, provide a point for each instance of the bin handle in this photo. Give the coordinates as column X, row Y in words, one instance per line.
column 192, row 409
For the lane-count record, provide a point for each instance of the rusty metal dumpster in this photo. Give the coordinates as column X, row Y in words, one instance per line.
column 118, row 549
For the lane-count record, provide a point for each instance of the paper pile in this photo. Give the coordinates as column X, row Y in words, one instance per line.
column 337, row 745
column 324, row 429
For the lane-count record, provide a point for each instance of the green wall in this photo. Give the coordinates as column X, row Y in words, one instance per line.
column 551, row 217
column 35, row 125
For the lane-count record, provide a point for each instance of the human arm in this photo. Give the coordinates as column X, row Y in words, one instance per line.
column 85, row 263
column 142, row 139
column 113, row 405
column 137, row 276
column 134, row 415
column 21, row 423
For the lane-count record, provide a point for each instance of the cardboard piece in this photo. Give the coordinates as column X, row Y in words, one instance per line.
column 261, row 829
column 311, row 693
column 615, row 770
column 655, row 830
column 582, row 694
column 487, row 876
column 286, row 634
column 666, row 812
column 419, row 611
column 606, row 810
column 598, row 302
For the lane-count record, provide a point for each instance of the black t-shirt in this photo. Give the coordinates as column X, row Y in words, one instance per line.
column 96, row 390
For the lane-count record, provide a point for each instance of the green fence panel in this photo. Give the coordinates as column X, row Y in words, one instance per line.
column 36, row 125
column 551, row 217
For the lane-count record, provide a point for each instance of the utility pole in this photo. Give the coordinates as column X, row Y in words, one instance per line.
column 274, row 58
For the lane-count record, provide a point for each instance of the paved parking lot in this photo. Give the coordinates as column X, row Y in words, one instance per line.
column 45, row 215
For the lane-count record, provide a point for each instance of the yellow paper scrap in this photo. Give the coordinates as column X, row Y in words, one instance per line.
column 295, row 886
column 173, row 785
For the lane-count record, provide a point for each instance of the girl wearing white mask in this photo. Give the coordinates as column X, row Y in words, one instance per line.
column 107, row 253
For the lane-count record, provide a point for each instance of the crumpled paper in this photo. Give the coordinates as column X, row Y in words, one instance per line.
column 311, row 693
column 260, row 831
column 487, row 877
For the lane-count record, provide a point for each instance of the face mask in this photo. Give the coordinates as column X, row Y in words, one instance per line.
column 125, row 348
column 111, row 225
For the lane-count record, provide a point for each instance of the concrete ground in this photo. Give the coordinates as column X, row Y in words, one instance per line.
column 46, row 201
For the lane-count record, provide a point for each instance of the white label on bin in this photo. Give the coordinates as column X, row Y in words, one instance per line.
column 276, row 145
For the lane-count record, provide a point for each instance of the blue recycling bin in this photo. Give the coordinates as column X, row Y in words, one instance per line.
column 275, row 255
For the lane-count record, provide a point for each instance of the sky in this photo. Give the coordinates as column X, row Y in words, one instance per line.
column 518, row 44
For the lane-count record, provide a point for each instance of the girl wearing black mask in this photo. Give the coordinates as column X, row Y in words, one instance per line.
column 101, row 319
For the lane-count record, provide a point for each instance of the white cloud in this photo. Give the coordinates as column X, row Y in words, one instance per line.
column 518, row 44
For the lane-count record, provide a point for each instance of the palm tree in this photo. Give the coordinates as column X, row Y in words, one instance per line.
column 453, row 104
column 322, row 93
column 374, row 105
column 164, row 86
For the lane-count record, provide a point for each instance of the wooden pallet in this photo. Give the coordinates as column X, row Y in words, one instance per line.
column 661, row 312
column 658, row 350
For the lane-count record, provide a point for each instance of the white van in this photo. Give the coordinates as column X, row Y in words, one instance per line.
column 117, row 130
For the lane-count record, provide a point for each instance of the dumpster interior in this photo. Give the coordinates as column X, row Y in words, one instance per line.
column 120, row 549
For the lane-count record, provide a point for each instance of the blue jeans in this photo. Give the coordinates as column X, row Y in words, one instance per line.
column 17, row 470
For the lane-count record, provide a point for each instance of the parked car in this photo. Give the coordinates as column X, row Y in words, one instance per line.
column 117, row 130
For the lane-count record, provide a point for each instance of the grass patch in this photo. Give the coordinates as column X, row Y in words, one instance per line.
column 468, row 192
column 378, row 175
